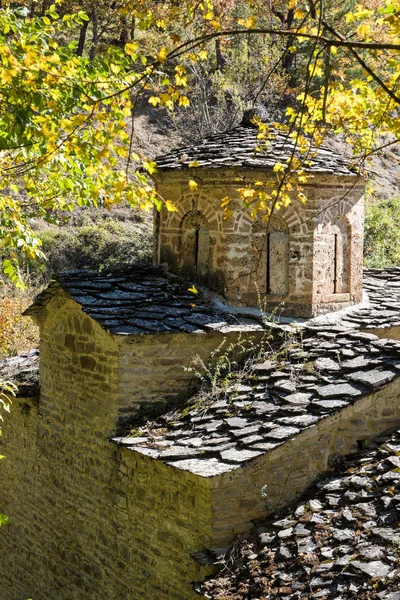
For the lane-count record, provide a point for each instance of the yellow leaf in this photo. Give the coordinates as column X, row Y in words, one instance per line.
column 154, row 100
column 170, row 206
column 279, row 167
column 192, row 185
column 299, row 14
column 225, row 201
column 180, row 69
column 334, row 50
column 130, row 49
column 195, row 163
column 163, row 54
column 209, row 15
column 184, row 101
column 193, row 289
column 203, row 55
column 250, row 23
column 363, row 30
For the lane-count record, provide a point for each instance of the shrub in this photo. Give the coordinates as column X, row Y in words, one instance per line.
column 382, row 233
column 92, row 247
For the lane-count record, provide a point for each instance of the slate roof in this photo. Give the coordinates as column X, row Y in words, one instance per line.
column 140, row 301
column 238, row 148
column 274, row 401
column 339, row 542
column 22, row 371
column 383, row 311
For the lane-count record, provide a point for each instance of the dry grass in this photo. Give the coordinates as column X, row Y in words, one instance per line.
column 17, row 333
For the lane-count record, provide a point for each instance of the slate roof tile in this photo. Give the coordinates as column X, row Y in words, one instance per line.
column 139, row 301
column 331, row 545
column 240, row 147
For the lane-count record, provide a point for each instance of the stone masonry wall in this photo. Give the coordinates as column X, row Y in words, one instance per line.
column 89, row 520
column 340, row 213
column 166, row 515
column 152, row 367
column 324, row 240
column 288, row 470
column 62, row 542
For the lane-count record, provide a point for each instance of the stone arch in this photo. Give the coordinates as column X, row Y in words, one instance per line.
column 194, row 246
column 277, row 257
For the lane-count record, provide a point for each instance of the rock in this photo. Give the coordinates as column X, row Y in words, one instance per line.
column 370, row 551
column 281, row 433
column 298, row 398
column 338, row 390
column 341, row 535
column 330, row 404
column 203, row 467
column 327, row 364
column 298, row 420
column 372, row 379
column 239, row 456
column 285, row 533
column 315, row 505
column 266, row 538
column 284, row 553
column 285, row 385
column 359, row 362
column 178, row 452
column 301, row 531
column 236, row 422
column 375, row 568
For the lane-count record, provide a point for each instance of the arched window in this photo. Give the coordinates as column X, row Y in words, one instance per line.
column 277, row 257
column 195, row 246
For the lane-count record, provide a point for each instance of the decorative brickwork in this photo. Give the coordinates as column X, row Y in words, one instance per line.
column 313, row 266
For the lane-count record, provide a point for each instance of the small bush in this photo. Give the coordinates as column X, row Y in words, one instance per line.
column 382, row 233
column 92, row 247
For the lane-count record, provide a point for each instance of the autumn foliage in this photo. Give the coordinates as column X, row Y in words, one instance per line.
column 17, row 333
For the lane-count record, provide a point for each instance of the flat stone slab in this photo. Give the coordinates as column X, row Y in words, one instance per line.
column 338, row 390
column 373, row 379
column 239, row 456
column 375, row 568
column 203, row 467
column 298, row 398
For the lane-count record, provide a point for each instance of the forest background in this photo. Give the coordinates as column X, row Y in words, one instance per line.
column 90, row 90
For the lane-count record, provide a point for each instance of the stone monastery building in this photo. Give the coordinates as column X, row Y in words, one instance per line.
column 118, row 484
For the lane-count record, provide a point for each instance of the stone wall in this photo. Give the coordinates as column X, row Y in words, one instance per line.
column 61, row 541
column 88, row 520
column 166, row 515
column 288, row 470
column 245, row 261
column 153, row 367
column 340, row 231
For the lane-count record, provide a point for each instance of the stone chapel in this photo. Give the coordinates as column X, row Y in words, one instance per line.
column 308, row 259
column 120, row 483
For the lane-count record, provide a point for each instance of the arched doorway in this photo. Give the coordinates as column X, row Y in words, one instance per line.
column 277, row 254
column 195, row 246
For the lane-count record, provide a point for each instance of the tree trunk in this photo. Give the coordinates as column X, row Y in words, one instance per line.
column 124, row 35
column 218, row 53
column 82, row 39
column 95, row 35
